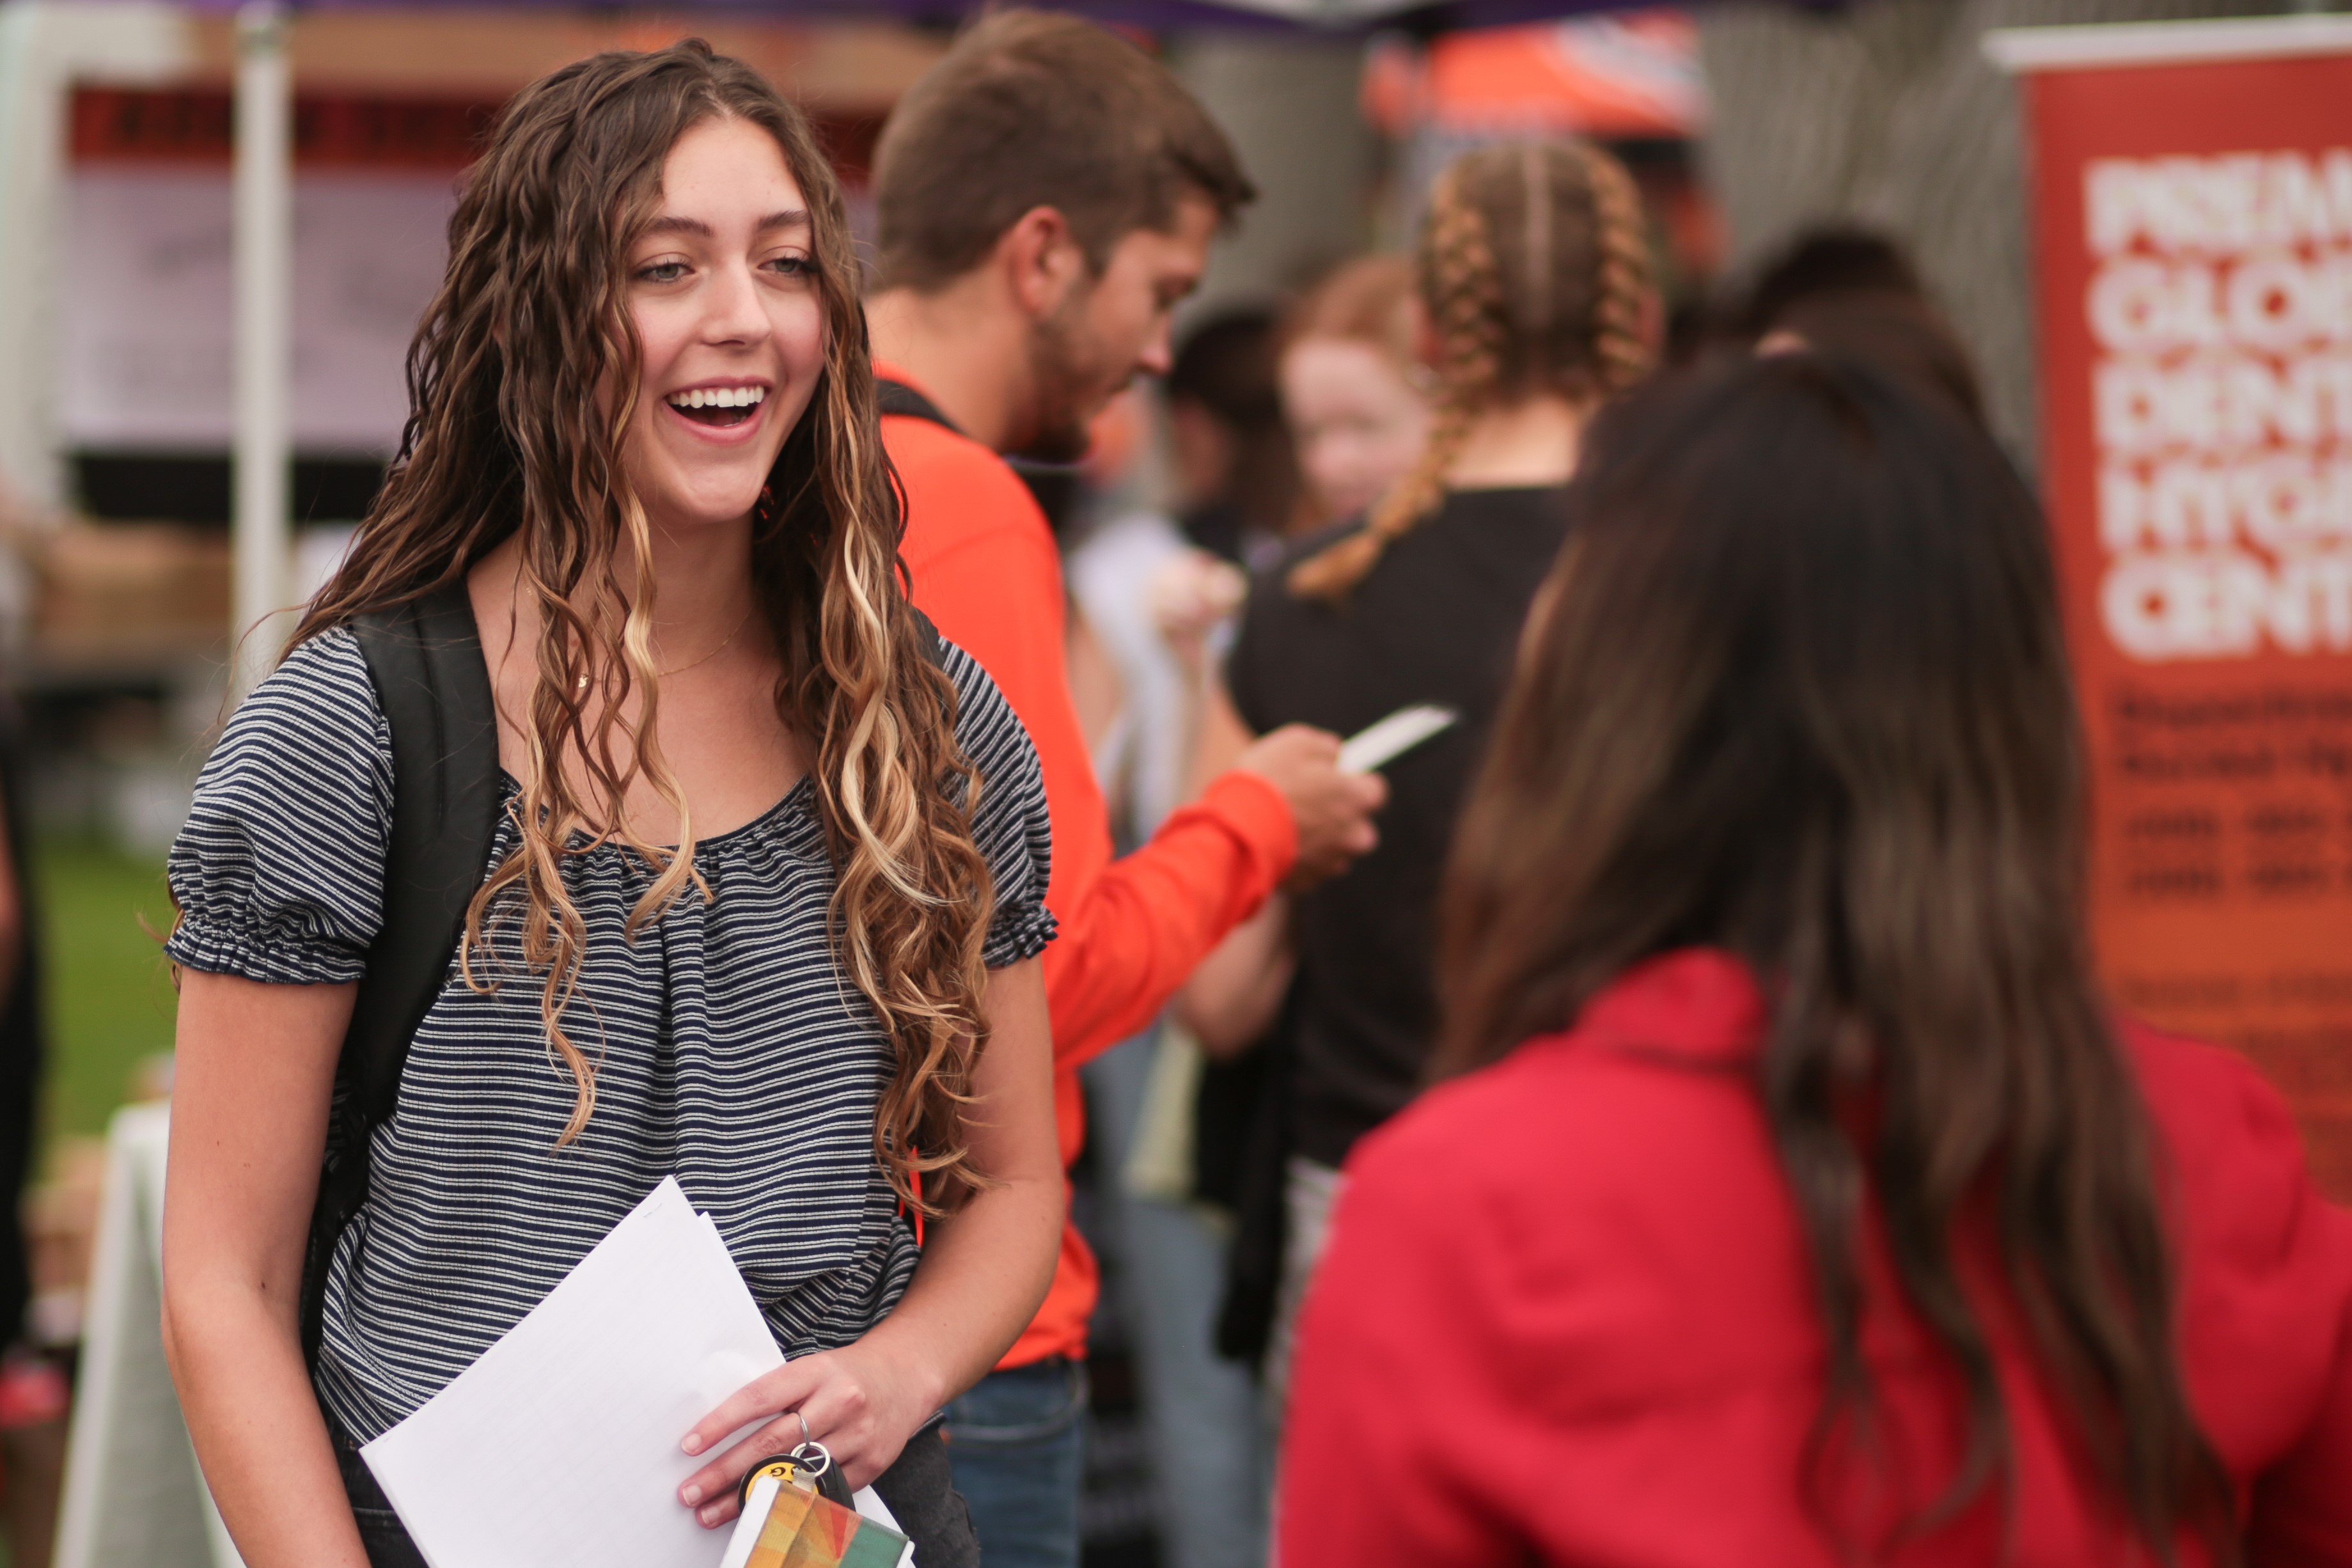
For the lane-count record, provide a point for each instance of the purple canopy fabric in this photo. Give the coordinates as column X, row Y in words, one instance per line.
column 1280, row 15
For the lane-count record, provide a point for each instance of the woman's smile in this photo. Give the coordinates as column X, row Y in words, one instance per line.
column 723, row 406
column 727, row 412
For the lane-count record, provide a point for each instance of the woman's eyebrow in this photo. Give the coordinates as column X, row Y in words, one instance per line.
column 790, row 217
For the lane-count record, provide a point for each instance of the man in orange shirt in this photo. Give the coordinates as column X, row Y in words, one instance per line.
column 1046, row 194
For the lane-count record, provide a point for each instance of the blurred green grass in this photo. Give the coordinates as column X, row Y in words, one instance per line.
column 110, row 1002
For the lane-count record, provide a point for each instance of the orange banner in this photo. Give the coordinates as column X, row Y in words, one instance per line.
column 2194, row 233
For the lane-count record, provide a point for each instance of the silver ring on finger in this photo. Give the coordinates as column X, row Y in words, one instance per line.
column 805, row 1431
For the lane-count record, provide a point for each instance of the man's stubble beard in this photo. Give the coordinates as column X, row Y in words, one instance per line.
column 1069, row 385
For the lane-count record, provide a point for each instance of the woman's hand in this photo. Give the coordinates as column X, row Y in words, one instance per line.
column 862, row 1406
column 1232, row 1000
column 1189, row 595
column 984, row 1269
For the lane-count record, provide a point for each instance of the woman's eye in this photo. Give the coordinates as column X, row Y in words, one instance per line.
column 793, row 266
column 662, row 272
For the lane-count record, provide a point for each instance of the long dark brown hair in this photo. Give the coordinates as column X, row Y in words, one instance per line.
column 1798, row 688
column 508, row 433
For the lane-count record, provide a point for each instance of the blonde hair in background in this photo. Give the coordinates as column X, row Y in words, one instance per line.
column 1534, row 269
column 1368, row 301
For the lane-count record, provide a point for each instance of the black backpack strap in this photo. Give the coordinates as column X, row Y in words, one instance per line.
column 934, row 649
column 426, row 659
column 897, row 397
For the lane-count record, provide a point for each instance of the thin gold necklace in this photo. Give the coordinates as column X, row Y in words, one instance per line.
column 705, row 658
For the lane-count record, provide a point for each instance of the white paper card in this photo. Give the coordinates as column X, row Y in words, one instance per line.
column 750, row 1521
column 1376, row 745
column 561, row 1444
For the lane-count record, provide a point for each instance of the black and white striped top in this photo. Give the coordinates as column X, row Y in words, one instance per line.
column 732, row 1049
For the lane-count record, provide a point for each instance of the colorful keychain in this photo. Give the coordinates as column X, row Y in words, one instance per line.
column 789, row 1521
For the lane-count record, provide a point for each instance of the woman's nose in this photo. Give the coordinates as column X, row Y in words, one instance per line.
column 733, row 313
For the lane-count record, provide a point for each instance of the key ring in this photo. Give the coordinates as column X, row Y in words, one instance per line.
column 812, row 1460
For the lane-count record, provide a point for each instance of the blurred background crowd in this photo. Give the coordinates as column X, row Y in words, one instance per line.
column 1844, row 175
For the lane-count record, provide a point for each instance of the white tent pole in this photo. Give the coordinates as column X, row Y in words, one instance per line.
column 264, row 252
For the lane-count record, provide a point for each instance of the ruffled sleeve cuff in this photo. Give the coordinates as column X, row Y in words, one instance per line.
column 277, row 957
column 1018, row 934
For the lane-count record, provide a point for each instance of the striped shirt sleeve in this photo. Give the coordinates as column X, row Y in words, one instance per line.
column 279, row 874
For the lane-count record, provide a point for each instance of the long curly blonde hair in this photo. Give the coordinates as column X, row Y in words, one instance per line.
column 1534, row 269
column 508, row 436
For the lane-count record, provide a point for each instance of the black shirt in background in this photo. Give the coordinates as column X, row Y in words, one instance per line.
column 1437, row 620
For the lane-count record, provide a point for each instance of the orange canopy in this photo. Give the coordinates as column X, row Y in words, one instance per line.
column 1635, row 75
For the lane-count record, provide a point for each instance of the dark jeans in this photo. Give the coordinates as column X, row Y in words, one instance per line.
column 1017, row 1442
column 381, row 1531
column 918, row 1490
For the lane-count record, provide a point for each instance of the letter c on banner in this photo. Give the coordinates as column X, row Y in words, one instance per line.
column 2153, row 608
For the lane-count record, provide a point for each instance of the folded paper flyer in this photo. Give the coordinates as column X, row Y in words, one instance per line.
column 561, row 1444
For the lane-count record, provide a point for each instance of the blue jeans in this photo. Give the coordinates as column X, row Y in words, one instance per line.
column 1210, row 1449
column 1016, row 1441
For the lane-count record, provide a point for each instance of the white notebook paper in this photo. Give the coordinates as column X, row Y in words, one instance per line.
column 561, row 1444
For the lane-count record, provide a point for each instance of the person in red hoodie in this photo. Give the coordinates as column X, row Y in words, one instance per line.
column 1793, row 1198
column 1045, row 196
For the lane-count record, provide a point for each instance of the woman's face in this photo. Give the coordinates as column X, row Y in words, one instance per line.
column 1358, row 423
column 730, row 321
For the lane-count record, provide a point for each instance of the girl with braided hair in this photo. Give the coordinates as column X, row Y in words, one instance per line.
column 1535, row 275
column 1534, row 280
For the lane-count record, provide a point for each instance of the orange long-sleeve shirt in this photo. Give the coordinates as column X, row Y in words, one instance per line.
column 986, row 571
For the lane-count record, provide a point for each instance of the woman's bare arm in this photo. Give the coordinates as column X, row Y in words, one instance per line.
column 1232, row 998
column 1219, row 738
column 983, row 1276
column 254, row 1075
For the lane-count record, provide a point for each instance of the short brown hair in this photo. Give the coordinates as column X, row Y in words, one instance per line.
column 1029, row 110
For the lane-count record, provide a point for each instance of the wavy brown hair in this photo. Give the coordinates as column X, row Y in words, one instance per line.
column 1798, row 688
column 509, row 433
column 1535, row 270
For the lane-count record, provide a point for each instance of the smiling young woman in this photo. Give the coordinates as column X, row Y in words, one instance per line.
column 763, row 905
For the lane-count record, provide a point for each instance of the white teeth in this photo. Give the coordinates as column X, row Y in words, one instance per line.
column 719, row 398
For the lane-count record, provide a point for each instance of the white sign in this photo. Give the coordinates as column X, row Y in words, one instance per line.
column 145, row 332
column 132, row 1491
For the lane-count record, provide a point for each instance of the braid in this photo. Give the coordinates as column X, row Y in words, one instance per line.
column 1463, row 283
column 1623, row 284
column 1567, row 321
